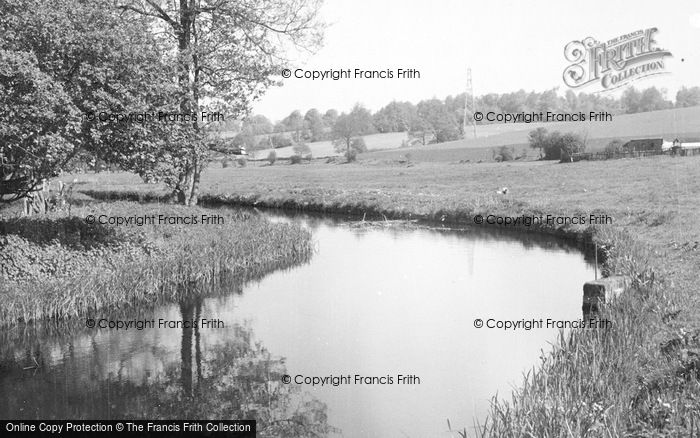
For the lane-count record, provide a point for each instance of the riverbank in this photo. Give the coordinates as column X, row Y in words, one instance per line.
column 640, row 377
column 126, row 255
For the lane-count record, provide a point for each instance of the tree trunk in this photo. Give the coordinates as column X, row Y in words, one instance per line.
column 187, row 314
column 187, row 189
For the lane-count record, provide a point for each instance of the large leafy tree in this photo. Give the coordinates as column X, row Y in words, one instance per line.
column 61, row 60
column 226, row 53
column 350, row 126
column 64, row 60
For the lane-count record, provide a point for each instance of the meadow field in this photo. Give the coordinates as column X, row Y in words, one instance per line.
column 391, row 140
column 638, row 378
column 669, row 124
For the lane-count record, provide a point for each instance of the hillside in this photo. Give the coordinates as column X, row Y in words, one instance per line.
column 672, row 123
column 391, row 140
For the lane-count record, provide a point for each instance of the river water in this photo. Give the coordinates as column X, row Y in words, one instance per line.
column 374, row 303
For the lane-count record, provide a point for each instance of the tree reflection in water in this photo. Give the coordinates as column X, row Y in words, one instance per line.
column 239, row 381
column 234, row 378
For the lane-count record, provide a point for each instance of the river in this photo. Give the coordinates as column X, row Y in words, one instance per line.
column 387, row 313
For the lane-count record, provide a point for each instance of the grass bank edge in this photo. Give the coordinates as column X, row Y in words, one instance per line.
column 77, row 268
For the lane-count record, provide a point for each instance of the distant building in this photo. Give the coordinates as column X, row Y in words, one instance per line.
column 644, row 144
column 659, row 144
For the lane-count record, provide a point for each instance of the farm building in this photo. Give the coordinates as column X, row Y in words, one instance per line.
column 659, row 144
column 644, row 144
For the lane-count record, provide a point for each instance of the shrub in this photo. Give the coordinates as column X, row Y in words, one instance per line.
column 351, row 155
column 570, row 144
column 358, row 145
column 225, row 163
column 554, row 143
column 280, row 141
column 272, row 157
column 302, row 149
column 615, row 146
column 295, row 159
column 504, row 153
column 242, row 161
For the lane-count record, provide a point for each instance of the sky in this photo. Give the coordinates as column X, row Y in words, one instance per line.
column 509, row 45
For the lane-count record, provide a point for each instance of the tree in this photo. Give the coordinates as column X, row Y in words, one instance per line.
column 547, row 101
column 631, row 99
column 615, row 146
column 434, row 116
column 537, row 139
column 260, row 124
column 394, row 117
column 652, row 99
column 686, row 97
column 62, row 62
column 570, row 144
column 225, row 53
column 294, row 122
column 315, row 125
column 349, row 126
column 330, row 117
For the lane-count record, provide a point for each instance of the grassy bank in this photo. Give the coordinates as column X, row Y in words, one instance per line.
column 61, row 266
column 640, row 377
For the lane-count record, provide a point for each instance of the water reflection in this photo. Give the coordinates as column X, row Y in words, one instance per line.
column 164, row 373
column 374, row 300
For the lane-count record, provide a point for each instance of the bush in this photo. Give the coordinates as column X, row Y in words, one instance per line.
column 280, row 141
column 615, row 147
column 504, row 153
column 225, row 163
column 272, row 157
column 555, row 143
column 358, row 145
column 295, row 159
column 302, row 149
column 351, row 155
column 242, row 161
column 570, row 144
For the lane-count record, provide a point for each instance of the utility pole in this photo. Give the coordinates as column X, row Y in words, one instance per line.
column 467, row 98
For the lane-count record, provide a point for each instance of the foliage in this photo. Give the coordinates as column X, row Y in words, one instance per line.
column 66, row 60
column 302, row 149
column 538, row 139
column 435, row 118
column 60, row 266
column 58, row 64
column 295, row 159
column 503, row 153
column 315, row 125
column 556, row 146
column 350, row 126
column 351, row 155
column 615, row 146
column 272, row 157
column 686, row 97
column 280, row 141
column 295, row 123
column 394, row 117
column 358, row 145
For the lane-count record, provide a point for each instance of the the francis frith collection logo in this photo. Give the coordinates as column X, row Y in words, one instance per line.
column 614, row 63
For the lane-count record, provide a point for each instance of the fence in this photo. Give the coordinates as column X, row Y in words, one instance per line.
column 594, row 156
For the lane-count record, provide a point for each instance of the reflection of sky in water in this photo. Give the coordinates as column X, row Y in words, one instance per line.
column 371, row 302
column 374, row 303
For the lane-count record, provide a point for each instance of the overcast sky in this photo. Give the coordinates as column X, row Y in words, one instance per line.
column 508, row 44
